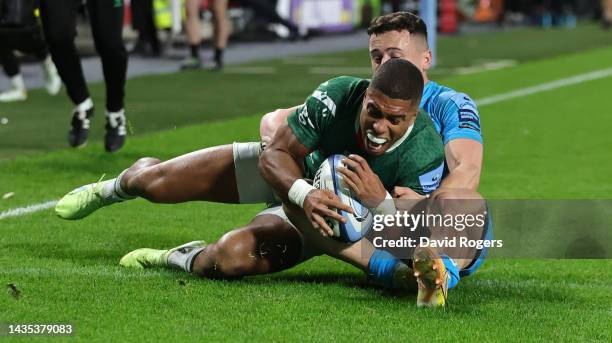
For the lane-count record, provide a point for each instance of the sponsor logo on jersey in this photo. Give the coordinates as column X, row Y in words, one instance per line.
column 431, row 180
column 330, row 106
column 466, row 114
column 469, row 126
column 304, row 118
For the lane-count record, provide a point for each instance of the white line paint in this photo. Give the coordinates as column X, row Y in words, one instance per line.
column 22, row 211
column 486, row 66
column 574, row 80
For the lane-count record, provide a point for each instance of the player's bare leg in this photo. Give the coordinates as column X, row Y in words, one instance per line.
column 207, row 175
column 266, row 245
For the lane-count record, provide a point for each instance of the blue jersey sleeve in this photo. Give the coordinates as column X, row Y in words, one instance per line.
column 460, row 118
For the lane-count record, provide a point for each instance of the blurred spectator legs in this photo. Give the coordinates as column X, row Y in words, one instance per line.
column 193, row 29
column 106, row 20
column 563, row 13
column 143, row 21
column 17, row 90
column 59, row 23
column 29, row 41
column 221, row 26
column 606, row 7
column 266, row 9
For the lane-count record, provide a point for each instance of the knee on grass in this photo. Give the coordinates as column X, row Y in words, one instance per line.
column 233, row 256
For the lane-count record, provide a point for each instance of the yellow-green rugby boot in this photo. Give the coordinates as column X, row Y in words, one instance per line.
column 432, row 278
column 180, row 257
column 83, row 201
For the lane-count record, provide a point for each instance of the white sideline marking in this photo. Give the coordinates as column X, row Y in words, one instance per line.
column 22, row 211
column 486, row 66
column 581, row 78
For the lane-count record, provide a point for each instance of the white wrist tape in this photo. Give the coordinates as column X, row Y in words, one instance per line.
column 298, row 192
column 387, row 206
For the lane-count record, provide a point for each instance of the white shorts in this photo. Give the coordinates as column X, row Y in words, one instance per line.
column 252, row 188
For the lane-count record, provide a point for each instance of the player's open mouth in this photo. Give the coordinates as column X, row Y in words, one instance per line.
column 375, row 144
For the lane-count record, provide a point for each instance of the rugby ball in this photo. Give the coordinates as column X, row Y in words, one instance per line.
column 357, row 223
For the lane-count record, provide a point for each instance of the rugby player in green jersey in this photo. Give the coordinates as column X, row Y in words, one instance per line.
column 378, row 120
column 403, row 35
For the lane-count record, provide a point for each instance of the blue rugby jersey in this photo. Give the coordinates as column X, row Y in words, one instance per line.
column 454, row 114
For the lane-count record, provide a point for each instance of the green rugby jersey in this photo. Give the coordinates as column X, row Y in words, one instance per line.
column 328, row 123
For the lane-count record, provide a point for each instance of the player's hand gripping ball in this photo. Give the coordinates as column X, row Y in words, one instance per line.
column 357, row 223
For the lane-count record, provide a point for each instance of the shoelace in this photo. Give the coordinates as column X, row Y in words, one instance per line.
column 92, row 195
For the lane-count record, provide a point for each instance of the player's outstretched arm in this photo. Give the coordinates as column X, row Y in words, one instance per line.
column 464, row 160
column 280, row 165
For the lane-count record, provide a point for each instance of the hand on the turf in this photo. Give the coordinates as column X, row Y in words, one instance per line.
column 320, row 203
column 364, row 183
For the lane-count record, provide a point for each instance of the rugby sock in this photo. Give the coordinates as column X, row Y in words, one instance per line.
column 219, row 57
column 453, row 271
column 111, row 189
column 382, row 267
column 17, row 82
column 183, row 258
column 195, row 50
column 85, row 106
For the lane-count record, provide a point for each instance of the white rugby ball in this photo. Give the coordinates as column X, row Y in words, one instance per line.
column 357, row 223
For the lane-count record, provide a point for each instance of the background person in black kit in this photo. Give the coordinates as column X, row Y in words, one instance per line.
column 19, row 30
column 106, row 19
column 267, row 9
column 143, row 21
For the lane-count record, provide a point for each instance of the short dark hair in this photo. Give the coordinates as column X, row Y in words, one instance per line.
column 399, row 79
column 398, row 21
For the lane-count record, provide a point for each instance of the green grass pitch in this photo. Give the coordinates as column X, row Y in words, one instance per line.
column 550, row 145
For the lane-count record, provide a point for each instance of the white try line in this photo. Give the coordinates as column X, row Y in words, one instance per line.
column 22, row 211
column 595, row 75
column 581, row 78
